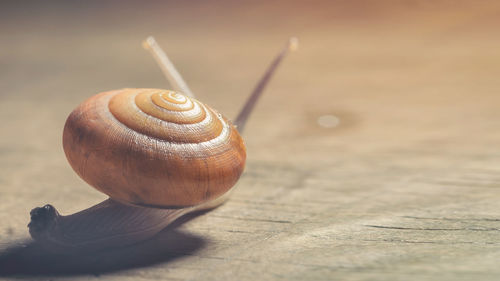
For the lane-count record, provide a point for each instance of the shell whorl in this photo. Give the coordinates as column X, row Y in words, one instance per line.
column 153, row 147
column 168, row 116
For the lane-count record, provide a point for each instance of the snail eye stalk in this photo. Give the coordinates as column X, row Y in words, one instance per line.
column 166, row 65
column 242, row 118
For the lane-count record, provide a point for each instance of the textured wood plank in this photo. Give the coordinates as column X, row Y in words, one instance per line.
column 405, row 187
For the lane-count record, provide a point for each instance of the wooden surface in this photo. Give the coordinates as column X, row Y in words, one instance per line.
column 405, row 187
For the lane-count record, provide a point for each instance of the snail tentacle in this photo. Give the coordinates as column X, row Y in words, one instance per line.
column 166, row 65
column 242, row 117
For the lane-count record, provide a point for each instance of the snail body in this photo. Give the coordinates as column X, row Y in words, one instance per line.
column 109, row 224
column 157, row 154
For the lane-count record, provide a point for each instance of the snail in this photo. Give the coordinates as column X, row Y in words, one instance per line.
column 158, row 155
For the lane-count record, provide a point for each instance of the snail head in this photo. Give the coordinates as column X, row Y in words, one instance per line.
column 42, row 219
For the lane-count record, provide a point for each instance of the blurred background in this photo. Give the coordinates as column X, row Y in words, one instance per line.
column 382, row 98
column 355, row 56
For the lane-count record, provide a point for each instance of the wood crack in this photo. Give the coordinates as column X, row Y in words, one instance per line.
column 432, row 229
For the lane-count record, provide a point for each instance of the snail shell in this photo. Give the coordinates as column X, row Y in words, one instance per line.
column 153, row 147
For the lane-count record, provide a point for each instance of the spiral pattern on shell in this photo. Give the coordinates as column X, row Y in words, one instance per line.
column 153, row 147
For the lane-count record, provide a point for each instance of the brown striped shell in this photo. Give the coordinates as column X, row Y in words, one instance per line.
column 153, row 147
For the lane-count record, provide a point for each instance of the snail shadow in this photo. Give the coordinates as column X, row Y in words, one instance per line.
column 31, row 259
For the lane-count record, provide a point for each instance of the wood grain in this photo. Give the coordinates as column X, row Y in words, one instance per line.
column 403, row 186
